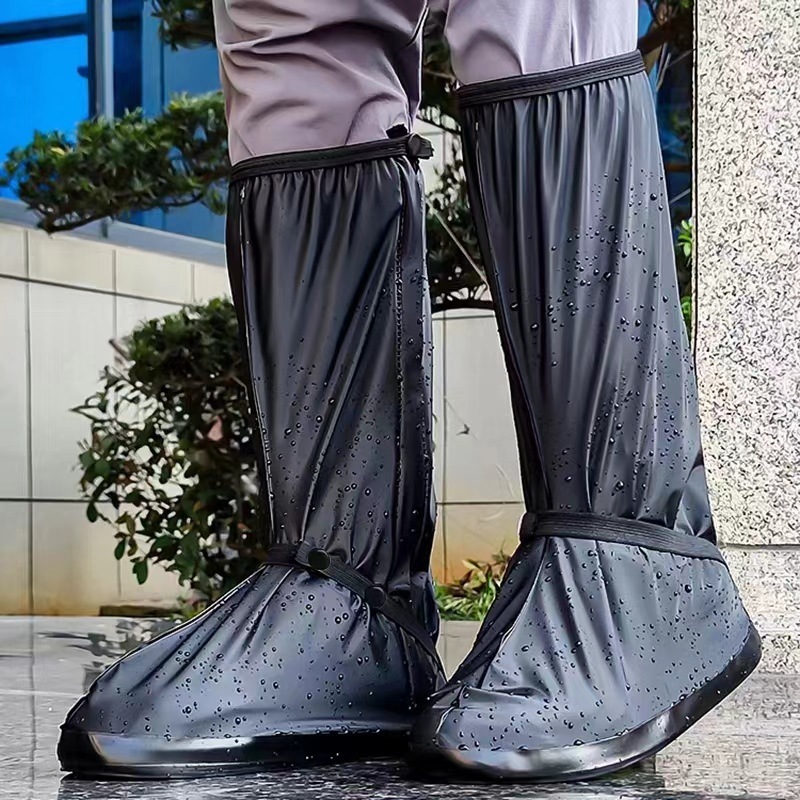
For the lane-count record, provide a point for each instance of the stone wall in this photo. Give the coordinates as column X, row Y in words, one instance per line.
column 748, row 305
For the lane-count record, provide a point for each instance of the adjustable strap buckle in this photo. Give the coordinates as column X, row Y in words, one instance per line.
column 320, row 562
column 418, row 147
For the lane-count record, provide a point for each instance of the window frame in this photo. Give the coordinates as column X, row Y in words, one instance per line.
column 97, row 24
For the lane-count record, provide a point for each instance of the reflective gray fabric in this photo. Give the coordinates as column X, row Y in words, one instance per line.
column 590, row 641
column 327, row 272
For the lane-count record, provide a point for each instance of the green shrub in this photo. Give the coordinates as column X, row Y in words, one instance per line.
column 170, row 462
column 469, row 597
column 113, row 167
column 684, row 257
column 170, row 459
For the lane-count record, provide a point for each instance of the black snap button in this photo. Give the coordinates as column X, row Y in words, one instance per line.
column 375, row 596
column 319, row 560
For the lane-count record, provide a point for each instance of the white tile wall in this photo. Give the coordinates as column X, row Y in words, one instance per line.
column 438, row 408
column 160, row 584
column 469, row 313
column 478, row 531
column 74, row 571
column 455, row 642
column 70, row 337
column 482, row 462
column 153, row 275
column 438, row 552
column 431, row 166
column 70, row 333
column 426, row 129
column 12, row 251
column 14, row 558
column 13, row 389
column 131, row 311
column 70, row 260
column 210, row 281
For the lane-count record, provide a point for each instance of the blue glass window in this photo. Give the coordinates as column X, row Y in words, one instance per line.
column 20, row 10
column 165, row 73
column 127, row 55
column 44, row 69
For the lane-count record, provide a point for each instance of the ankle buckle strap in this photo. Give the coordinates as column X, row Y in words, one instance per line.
column 319, row 562
column 617, row 530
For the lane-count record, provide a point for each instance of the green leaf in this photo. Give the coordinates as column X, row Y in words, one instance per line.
column 134, row 497
column 107, row 442
column 140, row 571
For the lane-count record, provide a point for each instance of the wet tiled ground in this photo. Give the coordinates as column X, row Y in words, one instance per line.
column 749, row 747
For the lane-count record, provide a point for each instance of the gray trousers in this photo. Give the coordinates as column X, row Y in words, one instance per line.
column 307, row 74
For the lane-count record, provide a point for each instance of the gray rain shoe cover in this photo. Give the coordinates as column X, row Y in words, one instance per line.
column 618, row 624
column 328, row 650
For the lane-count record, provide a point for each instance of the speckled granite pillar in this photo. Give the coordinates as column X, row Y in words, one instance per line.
column 748, row 346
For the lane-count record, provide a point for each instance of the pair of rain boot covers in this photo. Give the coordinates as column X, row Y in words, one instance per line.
column 617, row 625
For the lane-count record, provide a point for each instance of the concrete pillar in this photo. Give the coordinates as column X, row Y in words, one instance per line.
column 748, row 343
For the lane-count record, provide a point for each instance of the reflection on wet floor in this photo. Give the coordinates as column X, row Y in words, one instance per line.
column 749, row 746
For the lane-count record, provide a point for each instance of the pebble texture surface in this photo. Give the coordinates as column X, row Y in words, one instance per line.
column 748, row 339
column 748, row 107
column 748, row 746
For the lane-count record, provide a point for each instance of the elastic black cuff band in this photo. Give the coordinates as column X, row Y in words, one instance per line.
column 556, row 80
column 617, row 530
column 319, row 562
column 412, row 146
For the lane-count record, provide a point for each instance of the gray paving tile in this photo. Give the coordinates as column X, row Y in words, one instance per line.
column 750, row 746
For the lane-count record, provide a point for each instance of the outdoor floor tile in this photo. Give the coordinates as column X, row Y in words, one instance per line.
column 749, row 746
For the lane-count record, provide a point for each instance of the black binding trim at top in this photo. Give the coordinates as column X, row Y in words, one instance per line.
column 316, row 560
column 600, row 528
column 555, row 80
column 411, row 146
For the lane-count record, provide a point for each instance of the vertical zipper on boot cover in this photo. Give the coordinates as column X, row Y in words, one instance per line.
column 397, row 303
column 407, row 208
column 256, row 402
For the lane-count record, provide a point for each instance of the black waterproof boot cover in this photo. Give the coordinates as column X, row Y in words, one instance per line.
column 618, row 624
column 326, row 652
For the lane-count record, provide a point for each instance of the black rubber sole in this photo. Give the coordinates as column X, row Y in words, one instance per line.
column 587, row 761
column 114, row 757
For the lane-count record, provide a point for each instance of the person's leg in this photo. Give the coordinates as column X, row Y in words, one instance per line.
column 327, row 651
column 521, row 37
column 618, row 624
column 305, row 74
